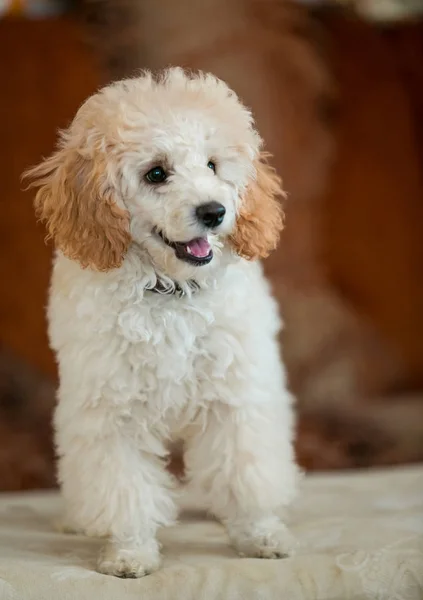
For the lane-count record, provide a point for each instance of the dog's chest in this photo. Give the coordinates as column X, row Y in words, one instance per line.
column 176, row 349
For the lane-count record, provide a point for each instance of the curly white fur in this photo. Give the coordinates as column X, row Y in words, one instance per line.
column 139, row 369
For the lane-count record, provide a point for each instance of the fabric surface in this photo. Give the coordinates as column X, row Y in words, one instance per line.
column 361, row 537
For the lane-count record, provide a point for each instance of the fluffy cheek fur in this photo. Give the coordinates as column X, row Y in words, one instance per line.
column 170, row 209
column 82, row 210
column 260, row 220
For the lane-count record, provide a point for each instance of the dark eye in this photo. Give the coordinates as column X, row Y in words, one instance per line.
column 211, row 165
column 156, row 175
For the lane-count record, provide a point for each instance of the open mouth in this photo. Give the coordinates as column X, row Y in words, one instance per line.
column 196, row 252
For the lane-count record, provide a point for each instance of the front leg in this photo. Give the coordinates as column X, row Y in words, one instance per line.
column 242, row 459
column 113, row 487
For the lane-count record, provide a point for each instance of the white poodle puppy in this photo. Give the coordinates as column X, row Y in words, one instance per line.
column 159, row 200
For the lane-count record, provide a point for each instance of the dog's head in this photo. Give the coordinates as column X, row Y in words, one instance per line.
column 170, row 164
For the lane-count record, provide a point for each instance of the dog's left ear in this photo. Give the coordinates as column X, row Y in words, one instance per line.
column 260, row 220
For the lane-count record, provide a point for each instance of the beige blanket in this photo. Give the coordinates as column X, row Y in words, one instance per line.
column 361, row 537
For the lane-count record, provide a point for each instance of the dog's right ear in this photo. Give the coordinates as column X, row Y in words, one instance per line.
column 81, row 208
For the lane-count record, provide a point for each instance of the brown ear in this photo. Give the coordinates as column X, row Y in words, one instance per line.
column 80, row 210
column 260, row 220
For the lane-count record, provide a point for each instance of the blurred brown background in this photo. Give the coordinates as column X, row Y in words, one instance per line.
column 339, row 100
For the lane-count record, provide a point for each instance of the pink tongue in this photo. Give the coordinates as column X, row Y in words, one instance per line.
column 198, row 247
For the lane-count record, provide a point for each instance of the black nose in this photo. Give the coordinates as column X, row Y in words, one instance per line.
column 211, row 214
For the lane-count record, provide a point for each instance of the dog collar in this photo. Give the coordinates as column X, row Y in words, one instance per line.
column 175, row 290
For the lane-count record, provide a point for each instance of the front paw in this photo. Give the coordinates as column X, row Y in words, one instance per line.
column 129, row 561
column 265, row 539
